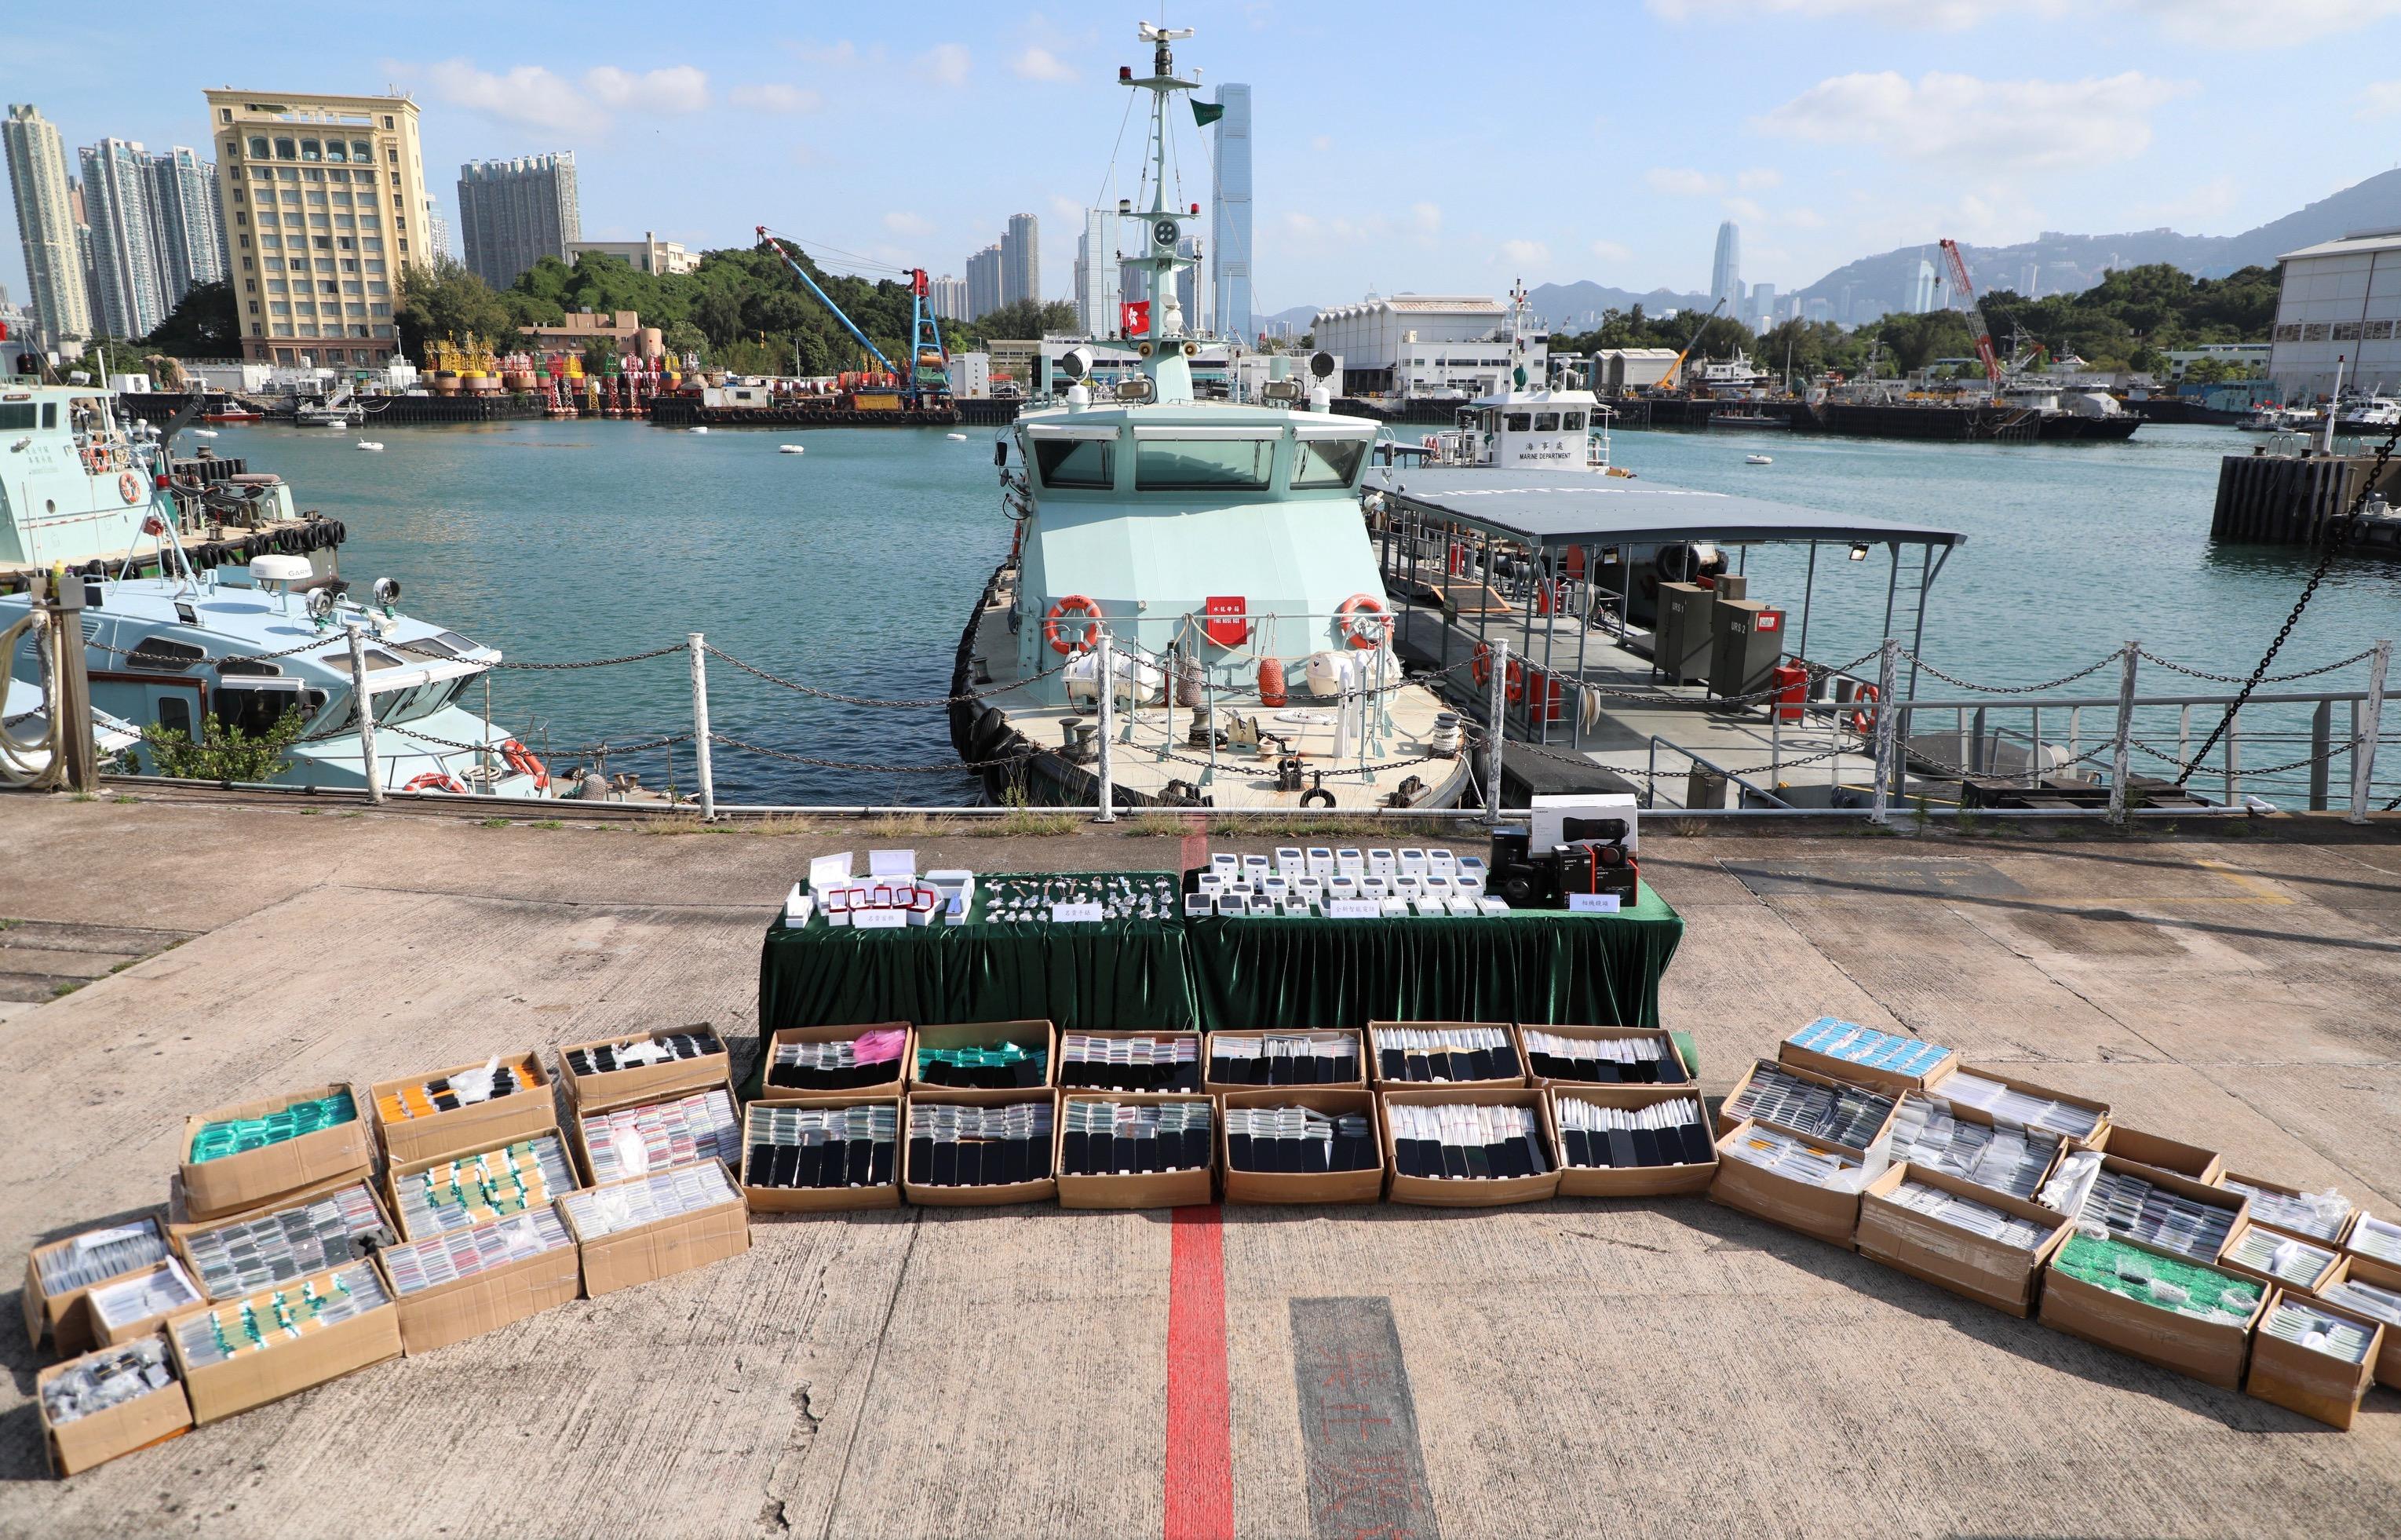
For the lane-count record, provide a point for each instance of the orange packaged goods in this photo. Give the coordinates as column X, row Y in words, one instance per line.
column 464, row 1108
column 442, row 1094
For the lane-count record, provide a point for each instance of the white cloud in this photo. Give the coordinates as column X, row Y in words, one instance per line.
column 2247, row 25
column 836, row 55
column 1681, row 183
column 1609, row 251
column 1970, row 123
column 907, row 224
column 775, row 97
column 1759, row 178
column 944, row 64
column 2201, row 23
column 1035, row 64
column 2212, row 199
column 1915, row 15
column 1067, row 209
column 679, row 88
column 1426, row 218
column 529, row 95
column 1746, row 211
column 1525, row 254
column 2380, row 99
column 1321, row 144
column 1804, row 218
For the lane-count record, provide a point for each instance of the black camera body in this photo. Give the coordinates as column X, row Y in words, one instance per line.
column 1595, row 862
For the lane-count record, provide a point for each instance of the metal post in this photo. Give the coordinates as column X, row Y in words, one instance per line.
column 2370, row 720
column 1886, row 717
column 1976, row 754
column 1496, row 728
column 2320, row 751
column 2233, row 757
column 1105, row 656
column 70, row 698
column 367, row 765
column 2118, row 763
column 1809, row 594
column 702, row 767
column 2034, row 755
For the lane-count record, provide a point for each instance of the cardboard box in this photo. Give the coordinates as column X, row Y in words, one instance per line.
column 1666, row 1041
column 125, row 1332
column 1355, row 1082
column 769, row 1092
column 288, row 1366
column 827, row 1200
column 181, row 1228
column 254, row 1178
column 1824, row 1213
column 2330, row 1273
column 1304, row 1186
column 2384, row 1275
column 1891, row 1082
column 1200, row 1063
column 2332, row 1241
column 396, row 1174
column 1970, row 1265
column 1132, row 1188
column 1962, row 1112
column 2191, row 1161
column 1447, row 1193
column 583, row 1140
column 2211, row 1351
column 625, row 1257
column 2198, row 1192
column 984, row 1034
column 1506, row 1083
column 62, row 1316
column 1727, row 1120
column 484, row 1301
column 1649, row 1181
column 643, row 1082
column 477, row 1125
column 149, row 1419
column 2315, row 1385
column 2100, row 1110
column 914, row 1183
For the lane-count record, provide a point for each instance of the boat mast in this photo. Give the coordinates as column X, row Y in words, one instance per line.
column 1164, row 347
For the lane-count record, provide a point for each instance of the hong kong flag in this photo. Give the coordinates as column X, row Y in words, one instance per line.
column 1134, row 318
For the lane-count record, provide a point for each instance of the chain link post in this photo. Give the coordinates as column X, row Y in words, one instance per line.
column 2371, row 723
column 2123, row 745
column 1105, row 655
column 1496, row 709
column 367, row 765
column 702, row 769
column 1887, row 716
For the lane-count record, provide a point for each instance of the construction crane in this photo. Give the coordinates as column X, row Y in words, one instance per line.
column 1675, row 371
column 928, row 379
column 1966, row 291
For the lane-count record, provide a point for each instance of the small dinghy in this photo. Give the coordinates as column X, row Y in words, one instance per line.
column 1757, row 459
column 791, row 449
column 956, row 438
column 376, row 444
column 695, row 429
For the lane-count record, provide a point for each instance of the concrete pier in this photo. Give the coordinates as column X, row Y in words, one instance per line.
column 2296, row 499
column 1661, row 1366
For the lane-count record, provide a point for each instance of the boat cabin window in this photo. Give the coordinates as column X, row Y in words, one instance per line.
column 1203, row 465
column 1076, row 463
column 1547, row 422
column 430, row 647
column 257, row 711
column 1571, row 422
column 50, row 414
column 458, row 644
column 159, row 656
column 1327, row 463
column 15, row 414
column 176, row 714
column 378, row 660
column 1520, row 422
column 248, row 667
column 1486, row 419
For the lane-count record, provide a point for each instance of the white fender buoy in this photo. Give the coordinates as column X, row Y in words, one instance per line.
column 791, row 449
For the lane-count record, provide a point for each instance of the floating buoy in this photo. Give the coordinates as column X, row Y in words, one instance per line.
column 695, row 429
column 1757, row 459
column 956, row 438
column 376, row 444
column 202, row 433
column 791, row 449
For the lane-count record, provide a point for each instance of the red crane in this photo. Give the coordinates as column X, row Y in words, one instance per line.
column 1967, row 290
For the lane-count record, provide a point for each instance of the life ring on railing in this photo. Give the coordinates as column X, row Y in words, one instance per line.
column 437, row 781
column 1515, row 687
column 523, row 761
column 1863, row 722
column 1365, row 634
column 1479, row 668
column 1072, row 604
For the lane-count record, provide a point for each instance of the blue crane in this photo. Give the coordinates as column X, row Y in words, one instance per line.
column 929, row 376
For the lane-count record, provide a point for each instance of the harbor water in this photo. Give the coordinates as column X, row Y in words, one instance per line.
column 852, row 568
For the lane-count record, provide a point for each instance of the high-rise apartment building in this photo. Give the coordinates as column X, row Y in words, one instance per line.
column 1763, row 306
column 983, row 283
column 46, row 228
column 125, row 255
column 1229, row 244
column 1922, row 291
column 1020, row 259
column 512, row 214
column 948, row 296
column 437, row 231
column 188, row 226
column 1096, row 275
column 1725, row 273
column 325, row 205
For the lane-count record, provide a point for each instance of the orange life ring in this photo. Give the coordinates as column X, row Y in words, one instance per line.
column 1479, row 668
column 1363, row 633
column 1515, row 688
column 129, row 487
column 1072, row 604
column 522, row 760
column 1863, row 722
column 437, row 781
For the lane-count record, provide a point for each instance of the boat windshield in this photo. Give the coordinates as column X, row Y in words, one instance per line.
column 1327, row 463
column 1081, row 463
column 1203, row 465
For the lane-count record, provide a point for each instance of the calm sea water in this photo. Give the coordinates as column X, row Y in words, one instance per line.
column 852, row 568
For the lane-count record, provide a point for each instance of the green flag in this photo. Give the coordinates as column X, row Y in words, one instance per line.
column 1206, row 113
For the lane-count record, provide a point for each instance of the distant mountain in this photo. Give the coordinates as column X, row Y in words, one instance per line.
column 1579, row 305
column 1299, row 318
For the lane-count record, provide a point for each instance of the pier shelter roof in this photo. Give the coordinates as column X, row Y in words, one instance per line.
column 1555, row 509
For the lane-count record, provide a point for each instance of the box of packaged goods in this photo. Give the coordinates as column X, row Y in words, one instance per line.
column 1802, row 1184
column 57, row 1276
column 1134, row 1150
column 464, row 1283
column 991, row 1061
column 1248, row 1061
column 280, row 1341
column 468, row 1107
column 137, row 1305
column 2191, row 1161
column 2376, row 1239
column 456, row 1191
column 2320, row 1216
column 664, row 1222
column 1479, row 1055
column 1632, row 1141
column 1602, row 1055
column 2314, row 1358
column 1807, row 1103
column 2022, row 1103
column 1463, row 1146
column 2287, row 1261
column 818, row 1156
column 1865, row 1056
column 338, row 1223
column 645, row 1066
column 2145, row 1204
column 971, row 1148
column 108, row 1403
column 1301, row 1145
column 633, row 1141
column 2372, row 1288
column 1157, row 1062
column 249, row 1154
column 804, row 1063
column 1935, row 1133
column 1980, row 1244
column 2157, row 1305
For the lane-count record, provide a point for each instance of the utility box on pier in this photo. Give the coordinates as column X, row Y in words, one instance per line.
column 1749, row 641
column 1680, row 639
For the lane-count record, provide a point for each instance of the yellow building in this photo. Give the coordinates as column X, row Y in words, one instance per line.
column 325, row 205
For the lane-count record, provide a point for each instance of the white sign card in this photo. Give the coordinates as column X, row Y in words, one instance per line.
column 1355, row 909
column 1077, row 914
column 1592, row 903
column 879, row 919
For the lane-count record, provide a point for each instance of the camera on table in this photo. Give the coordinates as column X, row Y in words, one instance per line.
column 1595, row 856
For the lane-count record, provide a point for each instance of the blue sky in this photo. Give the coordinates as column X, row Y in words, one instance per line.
column 1400, row 146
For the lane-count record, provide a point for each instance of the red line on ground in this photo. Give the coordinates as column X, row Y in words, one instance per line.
column 1199, row 1434
column 1195, row 851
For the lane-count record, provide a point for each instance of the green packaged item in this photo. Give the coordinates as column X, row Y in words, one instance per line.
column 235, row 1136
column 2168, row 1282
column 993, row 1066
